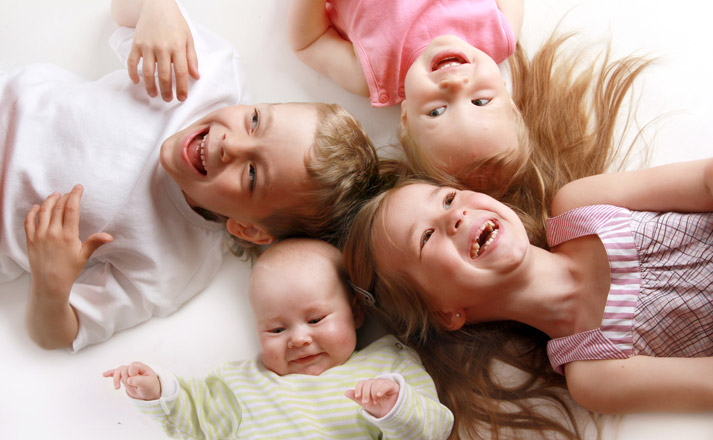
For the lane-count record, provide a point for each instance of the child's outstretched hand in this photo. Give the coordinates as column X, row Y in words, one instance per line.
column 163, row 38
column 139, row 380
column 376, row 396
column 55, row 252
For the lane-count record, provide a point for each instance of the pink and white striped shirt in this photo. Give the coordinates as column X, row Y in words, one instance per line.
column 660, row 301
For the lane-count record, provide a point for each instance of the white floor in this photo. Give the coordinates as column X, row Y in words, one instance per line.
column 58, row 395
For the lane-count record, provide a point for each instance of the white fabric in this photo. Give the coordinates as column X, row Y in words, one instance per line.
column 62, row 130
column 68, row 392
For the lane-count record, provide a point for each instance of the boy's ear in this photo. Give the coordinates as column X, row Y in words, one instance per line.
column 451, row 319
column 247, row 232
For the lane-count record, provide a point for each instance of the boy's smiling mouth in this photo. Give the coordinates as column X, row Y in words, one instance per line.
column 483, row 238
column 196, row 152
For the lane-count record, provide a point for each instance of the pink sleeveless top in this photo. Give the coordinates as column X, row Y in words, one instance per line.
column 388, row 35
column 660, row 301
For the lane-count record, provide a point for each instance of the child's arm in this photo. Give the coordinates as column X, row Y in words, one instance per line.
column 162, row 38
column 376, row 396
column 514, row 10
column 187, row 408
column 320, row 46
column 401, row 410
column 683, row 186
column 139, row 380
column 57, row 257
column 642, row 384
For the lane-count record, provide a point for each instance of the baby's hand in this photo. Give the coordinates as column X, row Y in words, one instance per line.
column 140, row 381
column 376, row 396
column 55, row 252
column 163, row 38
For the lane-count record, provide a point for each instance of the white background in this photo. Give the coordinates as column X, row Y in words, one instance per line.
column 58, row 395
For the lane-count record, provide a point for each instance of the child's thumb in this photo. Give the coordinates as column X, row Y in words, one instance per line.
column 350, row 395
column 93, row 242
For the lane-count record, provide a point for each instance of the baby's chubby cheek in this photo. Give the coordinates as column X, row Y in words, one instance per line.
column 272, row 361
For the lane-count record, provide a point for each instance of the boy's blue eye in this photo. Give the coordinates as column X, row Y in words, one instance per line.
column 437, row 111
column 480, row 102
column 256, row 119
column 251, row 177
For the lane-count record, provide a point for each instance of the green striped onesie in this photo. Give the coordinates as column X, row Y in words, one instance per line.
column 245, row 400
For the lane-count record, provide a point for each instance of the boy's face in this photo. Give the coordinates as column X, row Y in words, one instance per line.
column 457, row 107
column 304, row 317
column 243, row 162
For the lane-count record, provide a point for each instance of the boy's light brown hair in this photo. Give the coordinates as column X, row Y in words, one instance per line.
column 343, row 168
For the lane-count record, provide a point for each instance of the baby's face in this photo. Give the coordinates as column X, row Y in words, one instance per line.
column 304, row 318
column 243, row 162
column 457, row 107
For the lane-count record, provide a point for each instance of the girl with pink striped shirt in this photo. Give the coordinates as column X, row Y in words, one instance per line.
column 623, row 296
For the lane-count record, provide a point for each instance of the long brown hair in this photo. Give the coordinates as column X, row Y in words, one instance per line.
column 462, row 362
column 568, row 110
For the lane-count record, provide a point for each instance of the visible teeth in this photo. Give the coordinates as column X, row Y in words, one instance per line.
column 475, row 250
column 202, row 150
column 476, row 247
column 447, row 65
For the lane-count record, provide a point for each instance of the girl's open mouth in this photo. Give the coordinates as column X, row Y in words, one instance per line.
column 483, row 238
column 447, row 60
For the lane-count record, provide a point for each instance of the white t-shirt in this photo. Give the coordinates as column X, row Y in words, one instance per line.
column 59, row 129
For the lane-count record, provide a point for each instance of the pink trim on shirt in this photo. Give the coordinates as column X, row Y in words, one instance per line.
column 614, row 338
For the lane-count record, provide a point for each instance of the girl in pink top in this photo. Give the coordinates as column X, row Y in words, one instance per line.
column 459, row 124
column 625, row 292
column 385, row 50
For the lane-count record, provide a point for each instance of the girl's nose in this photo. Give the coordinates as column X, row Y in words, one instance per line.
column 454, row 82
column 454, row 220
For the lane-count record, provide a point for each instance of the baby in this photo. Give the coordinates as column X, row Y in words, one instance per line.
column 306, row 320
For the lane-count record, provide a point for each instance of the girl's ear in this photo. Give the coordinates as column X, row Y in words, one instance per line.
column 248, row 232
column 403, row 112
column 451, row 319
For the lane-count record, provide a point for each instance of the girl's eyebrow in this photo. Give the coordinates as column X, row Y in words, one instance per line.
column 433, row 194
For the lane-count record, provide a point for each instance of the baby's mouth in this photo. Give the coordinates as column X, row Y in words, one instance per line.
column 483, row 238
column 196, row 153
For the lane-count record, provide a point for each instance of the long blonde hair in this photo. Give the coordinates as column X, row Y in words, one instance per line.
column 567, row 110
